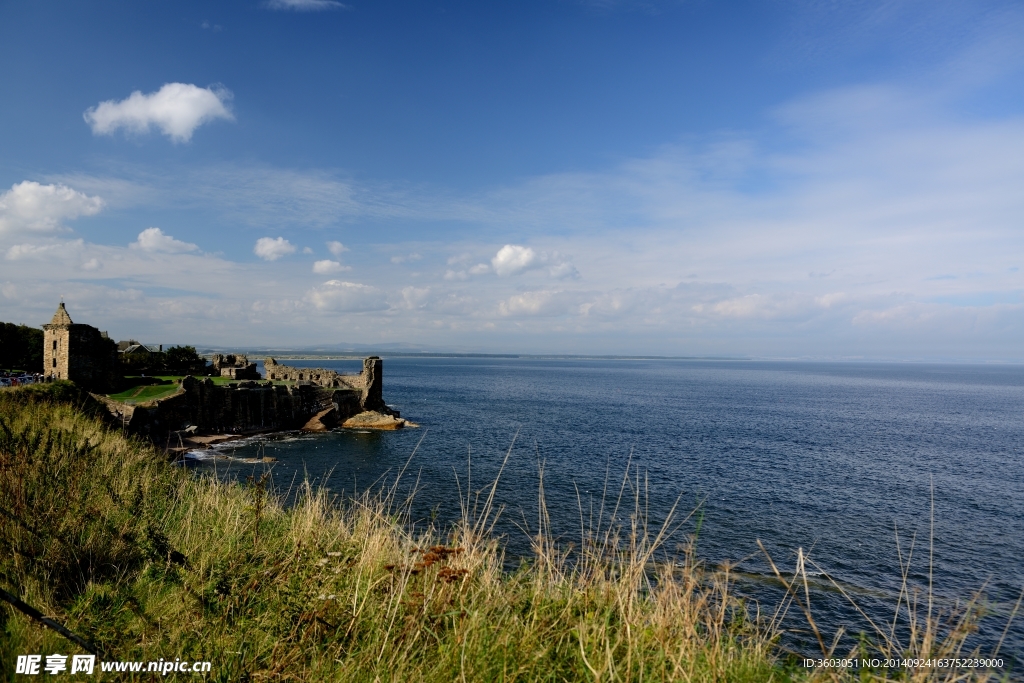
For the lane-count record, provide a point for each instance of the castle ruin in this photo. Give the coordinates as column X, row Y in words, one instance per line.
column 369, row 383
column 291, row 398
column 234, row 366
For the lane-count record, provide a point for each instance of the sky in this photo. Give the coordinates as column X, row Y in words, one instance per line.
column 774, row 179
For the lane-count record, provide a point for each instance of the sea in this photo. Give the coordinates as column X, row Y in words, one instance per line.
column 869, row 470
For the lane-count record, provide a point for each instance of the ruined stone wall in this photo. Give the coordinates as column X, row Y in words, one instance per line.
column 370, row 382
column 234, row 366
column 319, row 376
column 235, row 408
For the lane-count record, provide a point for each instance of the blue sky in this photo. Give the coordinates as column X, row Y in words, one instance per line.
column 778, row 179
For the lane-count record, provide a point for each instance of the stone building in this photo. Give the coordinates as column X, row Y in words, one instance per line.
column 131, row 347
column 234, row 366
column 79, row 353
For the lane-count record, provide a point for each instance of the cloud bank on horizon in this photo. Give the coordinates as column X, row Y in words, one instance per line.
column 873, row 215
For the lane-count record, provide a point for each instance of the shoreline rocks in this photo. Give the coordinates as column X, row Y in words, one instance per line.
column 371, row 419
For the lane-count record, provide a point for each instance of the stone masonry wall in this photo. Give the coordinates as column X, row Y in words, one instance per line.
column 234, row 408
column 81, row 354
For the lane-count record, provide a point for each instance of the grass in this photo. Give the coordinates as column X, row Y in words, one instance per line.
column 149, row 561
column 146, row 391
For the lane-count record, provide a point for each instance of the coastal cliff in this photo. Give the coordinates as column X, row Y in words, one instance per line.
column 294, row 398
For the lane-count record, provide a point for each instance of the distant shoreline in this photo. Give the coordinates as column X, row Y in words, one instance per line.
column 407, row 354
column 208, row 353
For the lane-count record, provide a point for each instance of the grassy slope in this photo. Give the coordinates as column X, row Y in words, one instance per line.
column 153, row 562
column 145, row 392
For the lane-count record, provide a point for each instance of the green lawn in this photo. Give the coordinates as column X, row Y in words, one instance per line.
column 141, row 392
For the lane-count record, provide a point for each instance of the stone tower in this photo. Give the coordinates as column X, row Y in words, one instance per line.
column 80, row 353
column 56, row 344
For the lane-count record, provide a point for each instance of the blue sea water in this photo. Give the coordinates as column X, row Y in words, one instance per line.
column 834, row 458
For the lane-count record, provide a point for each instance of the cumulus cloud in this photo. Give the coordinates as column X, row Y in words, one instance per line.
column 327, row 266
column 31, row 207
column 347, row 297
column 177, row 109
column 273, row 248
column 513, row 259
column 155, row 240
column 305, row 5
column 336, row 248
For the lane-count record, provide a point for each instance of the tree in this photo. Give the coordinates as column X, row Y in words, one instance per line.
column 21, row 347
column 184, row 360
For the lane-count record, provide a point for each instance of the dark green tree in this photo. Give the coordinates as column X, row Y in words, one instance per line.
column 184, row 360
column 21, row 347
column 144, row 362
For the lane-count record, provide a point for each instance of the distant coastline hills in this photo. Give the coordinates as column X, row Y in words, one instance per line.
column 345, row 351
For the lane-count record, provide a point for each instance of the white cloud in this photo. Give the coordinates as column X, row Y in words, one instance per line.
column 177, row 109
column 336, row 248
column 415, row 297
column 513, row 259
column 273, row 248
column 305, row 5
column 307, row 250
column 347, row 297
column 154, row 240
column 563, row 270
column 31, row 207
column 327, row 266
column 60, row 250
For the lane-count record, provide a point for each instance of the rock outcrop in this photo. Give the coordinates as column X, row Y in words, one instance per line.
column 371, row 419
column 323, row 421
